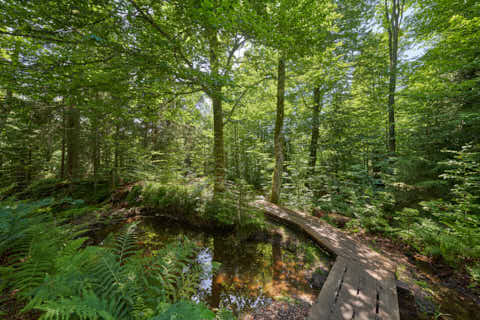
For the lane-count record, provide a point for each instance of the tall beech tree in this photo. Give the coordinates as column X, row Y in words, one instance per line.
column 204, row 38
column 394, row 10
column 317, row 100
column 298, row 26
column 278, row 133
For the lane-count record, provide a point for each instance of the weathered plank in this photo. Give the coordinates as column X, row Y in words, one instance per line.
column 366, row 301
column 347, row 299
column 361, row 284
column 387, row 299
column 324, row 307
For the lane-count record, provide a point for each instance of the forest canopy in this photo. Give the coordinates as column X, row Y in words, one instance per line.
column 365, row 108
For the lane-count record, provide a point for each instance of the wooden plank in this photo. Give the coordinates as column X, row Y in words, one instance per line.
column 346, row 301
column 357, row 299
column 366, row 299
column 324, row 307
column 387, row 299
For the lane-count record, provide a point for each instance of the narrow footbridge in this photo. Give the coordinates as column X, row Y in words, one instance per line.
column 361, row 284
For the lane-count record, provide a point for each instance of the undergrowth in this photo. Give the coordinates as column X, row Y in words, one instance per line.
column 89, row 191
column 443, row 228
column 195, row 201
column 48, row 267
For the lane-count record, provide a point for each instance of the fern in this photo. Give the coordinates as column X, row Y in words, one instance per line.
column 125, row 244
column 16, row 221
column 52, row 270
column 186, row 311
column 87, row 306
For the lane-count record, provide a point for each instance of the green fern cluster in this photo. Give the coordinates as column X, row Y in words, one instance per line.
column 118, row 281
column 173, row 199
column 30, row 239
column 50, row 267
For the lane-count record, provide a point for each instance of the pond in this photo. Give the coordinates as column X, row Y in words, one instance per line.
column 254, row 271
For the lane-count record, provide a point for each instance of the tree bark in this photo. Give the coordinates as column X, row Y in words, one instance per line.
column 391, row 100
column 236, row 151
column 215, row 93
column 73, row 142
column 278, row 134
column 116, row 155
column 394, row 16
column 62, row 161
column 6, row 107
column 315, row 128
column 95, row 148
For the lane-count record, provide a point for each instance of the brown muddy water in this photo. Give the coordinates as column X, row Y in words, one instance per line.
column 253, row 271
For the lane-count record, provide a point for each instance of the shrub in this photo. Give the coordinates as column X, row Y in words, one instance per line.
column 221, row 210
column 449, row 228
column 171, row 199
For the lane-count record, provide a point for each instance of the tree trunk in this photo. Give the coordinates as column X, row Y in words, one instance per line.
column 315, row 127
column 116, row 157
column 73, row 142
column 215, row 93
column 64, row 126
column 236, row 151
column 278, row 134
column 394, row 16
column 6, row 107
column 391, row 103
column 95, row 150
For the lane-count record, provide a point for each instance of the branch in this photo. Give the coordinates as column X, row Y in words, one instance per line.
column 241, row 97
column 162, row 32
column 39, row 37
column 150, row 20
column 177, row 94
column 402, row 10
column 234, row 49
column 386, row 12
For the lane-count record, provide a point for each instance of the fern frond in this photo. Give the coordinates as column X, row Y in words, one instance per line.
column 88, row 306
column 186, row 310
column 125, row 244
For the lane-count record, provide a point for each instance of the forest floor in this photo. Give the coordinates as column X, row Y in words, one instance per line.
column 434, row 289
column 280, row 310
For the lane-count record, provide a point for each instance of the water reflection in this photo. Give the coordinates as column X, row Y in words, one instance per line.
column 251, row 273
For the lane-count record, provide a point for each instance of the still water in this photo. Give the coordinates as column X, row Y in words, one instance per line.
column 253, row 271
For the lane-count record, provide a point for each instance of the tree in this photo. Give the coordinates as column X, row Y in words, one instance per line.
column 297, row 24
column 394, row 10
column 278, row 136
column 315, row 127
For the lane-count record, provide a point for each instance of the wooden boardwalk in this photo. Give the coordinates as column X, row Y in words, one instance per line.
column 361, row 284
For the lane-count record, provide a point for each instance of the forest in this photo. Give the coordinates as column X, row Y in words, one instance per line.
column 137, row 135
